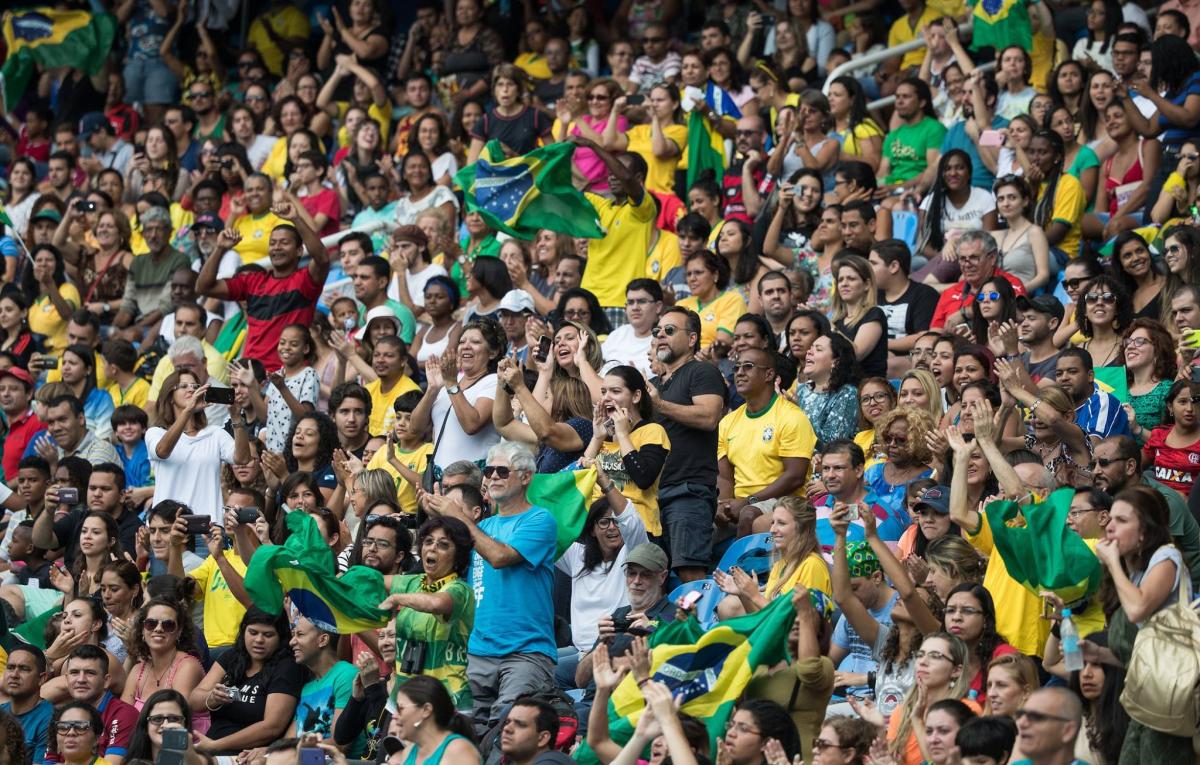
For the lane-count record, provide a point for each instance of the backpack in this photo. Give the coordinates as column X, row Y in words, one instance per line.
column 568, row 726
column 1162, row 680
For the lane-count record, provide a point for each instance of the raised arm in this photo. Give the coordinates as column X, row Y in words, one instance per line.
column 207, row 282
column 318, row 266
column 629, row 183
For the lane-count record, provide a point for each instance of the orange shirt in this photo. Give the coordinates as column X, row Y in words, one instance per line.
column 912, row 750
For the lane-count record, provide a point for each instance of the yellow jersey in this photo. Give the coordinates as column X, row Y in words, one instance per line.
column 720, row 315
column 416, row 460
column 756, row 443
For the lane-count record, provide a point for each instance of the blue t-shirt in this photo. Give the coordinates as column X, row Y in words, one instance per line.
column 320, row 698
column 36, row 725
column 890, row 499
column 957, row 138
column 859, row 652
column 514, row 611
column 1175, row 135
column 137, row 465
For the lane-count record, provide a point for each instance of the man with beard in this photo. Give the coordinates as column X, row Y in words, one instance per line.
column 59, row 179
column 978, row 109
column 908, row 305
column 1098, row 412
column 1117, row 465
column 775, row 296
column 210, row 121
column 183, row 293
column 529, row 734
column 630, row 343
column 350, row 405
column 978, row 255
column 547, row 92
column 191, row 352
column 1039, row 318
column 746, row 183
column 912, row 149
column 688, row 397
column 147, row 295
column 1185, row 317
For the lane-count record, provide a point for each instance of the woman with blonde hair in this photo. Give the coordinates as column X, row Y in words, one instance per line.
column 941, row 674
column 1011, row 677
column 950, row 561
column 575, row 352
column 1063, row 446
column 799, row 562
column 900, row 437
column 856, row 313
column 919, row 389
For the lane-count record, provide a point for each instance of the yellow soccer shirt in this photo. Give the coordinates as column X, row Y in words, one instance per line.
column 660, row 173
column 382, row 413
column 222, row 611
column 137, row 394
column 534, row 65
column 256, row 235
column 416, row 461
column 901, row 32
column 644, row 500
column 380, row 114
column 287, row 22
column 663, row 256
column 44, row 318
column 757, row 443
column 102, row 381
column 1069, row 205
column 620, row 257
column 276, row 161
column 718, row 316
column 813, row 573
column 1018, row 611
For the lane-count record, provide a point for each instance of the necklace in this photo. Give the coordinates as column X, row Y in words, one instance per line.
column 171, row 663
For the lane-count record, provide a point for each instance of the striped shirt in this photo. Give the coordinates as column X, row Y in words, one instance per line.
column 1102, row 416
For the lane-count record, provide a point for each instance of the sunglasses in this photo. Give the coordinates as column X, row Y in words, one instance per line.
column 991, row 297
column 152, row 625
column 76, row 726
column 598, row 97
column 1037, row 717
column 1103, row 462
column 1076, row 283
column 1100, row 297
column 160, row 719
column 746, row 366
column 1174, row 248
column 200, row 94
column 668, row 329
column 497, row 471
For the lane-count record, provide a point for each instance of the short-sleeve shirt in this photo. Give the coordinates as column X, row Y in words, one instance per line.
column 906, row 147
column 660, row 173
column 36, row 725
column 305, row 386
column 192, row 472
column 1018, row 611
column 445, row 638
column 757, row 443
column 912, row 312
column 222, row 611
column 325, row 202
column 620, row 257
column 514, row 610
column 520, row 132
column 256, row 234
column 1069, row 205
column 875, row 362
column 697, row 463
column 416, row 460
column 383, row 413
column 321, row 697
column 44, row 318
column 813, row 573
column 720, row 315
column 119, row 719
column 273, row 303
column 279, row 676
column 1173, row 466
column 902, row 32
column 1174, row 135
column 148, row 286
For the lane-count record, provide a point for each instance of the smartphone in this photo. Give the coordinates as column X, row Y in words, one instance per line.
column 311, row 755
column 139, row 148
column 1047, row 608
column 68, row 495
column 689, row 600
column 991, row 138
column 44, row 362
column 175, row 739
column 216, row 395
column 767, row 22
column 543, row 350
column 1195, row 375
column 635, row 100
column 197, row 524
column 84, row 205
column 248, row 514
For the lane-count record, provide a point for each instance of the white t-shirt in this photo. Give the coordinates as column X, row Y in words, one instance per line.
column 970, row 215
column 407, row 210
column 443, row 165
column 624, row 347
column 166, row 330
column 456, row 444
column 192, row 474
column 601, row 591
column 415, row 283
column 260, row 150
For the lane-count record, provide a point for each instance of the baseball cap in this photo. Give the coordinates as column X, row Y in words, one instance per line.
column 1046, row 304
column 411, row 233
column 649, row 556
column 516, row 301
column 18, row 374
column 936, row 497
column 93, row 121
column 47, row 213
column 208, row 220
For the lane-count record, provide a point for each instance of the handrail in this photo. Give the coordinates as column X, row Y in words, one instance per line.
column 889, row 100
column 865, row 60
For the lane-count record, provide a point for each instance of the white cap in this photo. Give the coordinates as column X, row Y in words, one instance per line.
column 379, row 312
column 515, row 301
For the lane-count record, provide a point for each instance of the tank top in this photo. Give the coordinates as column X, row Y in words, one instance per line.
column 435, row 757
column 200, row 720
column 1134, row 174
column 430, row 349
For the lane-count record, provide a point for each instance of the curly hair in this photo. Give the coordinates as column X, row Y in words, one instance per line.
column 97, row 725
column 12, row 750
column 1124, row 305
column 186, row 640
column 920, row 422
column 327, row 441
column 853, row 732
column 1165, row 366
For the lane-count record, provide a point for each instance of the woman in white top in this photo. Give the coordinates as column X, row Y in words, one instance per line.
column 441, row 298
column 243, row 129
column 188, row 453
column 433, row 139
column 457, row 405
column 1138, row 553
column 1103, row 18
column 410, row 255
column 952, row 206
column 1013, row 79
column 22, row 196
column 421, row 192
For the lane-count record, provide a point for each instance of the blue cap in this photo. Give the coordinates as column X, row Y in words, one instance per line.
column 935, row 497
column 93, row 121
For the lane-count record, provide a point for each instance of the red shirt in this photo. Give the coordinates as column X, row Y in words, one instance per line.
column 21, row 432
column 325, row 201
column 272, row 304
column 1173, row 466
column 962, row 295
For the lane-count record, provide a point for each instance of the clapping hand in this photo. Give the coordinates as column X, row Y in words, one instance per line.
column 606, row 676
column 285, row 210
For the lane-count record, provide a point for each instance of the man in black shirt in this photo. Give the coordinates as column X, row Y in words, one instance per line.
column 689, row 398
column 908, row 305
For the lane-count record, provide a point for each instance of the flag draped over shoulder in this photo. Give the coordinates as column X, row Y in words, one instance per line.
column 1044, row 553
column 303, row 569
column 52, row 38
column 565, row 495
column 705, row 149
column 523, row 194
column 710, row 670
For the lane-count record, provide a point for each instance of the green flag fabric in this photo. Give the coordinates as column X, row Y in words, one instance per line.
column 709, row 672
column 565, row 495
column 523, row 194
column 304, row 569
column 706, row 149
column 1041, row 551
column 52, row 38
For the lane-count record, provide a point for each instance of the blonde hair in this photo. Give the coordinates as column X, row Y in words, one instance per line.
column 920, row 422
column 796, row 550
column 933, row 392
column 1020, row 667
column 863, row 268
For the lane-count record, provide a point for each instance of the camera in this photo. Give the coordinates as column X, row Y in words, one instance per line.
column 68, row 495
column 215, row 395
column 235, row 694
column 85, row 205
column 227, row 163
column 248, row 514
column 412, row 661
column 197, row 524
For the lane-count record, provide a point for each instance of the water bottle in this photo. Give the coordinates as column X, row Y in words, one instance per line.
column 1069, row 637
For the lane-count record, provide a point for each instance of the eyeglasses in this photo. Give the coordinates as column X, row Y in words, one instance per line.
column 891, row 440
column 1136, row 342
column 1075, row 513
column 378, row 544
column 874, row 398
column 152, row 625
column 72, row 726
column 200, row 94
column 577, row 313
column 935, row 655
column 667, row 329
column 1037, row 717
column 606, row 522
column 1101, row 297
column 746, row 366
column 1103, row 462
column 598, row 97
column 991, row 297
column 1076, row 283
column 748, row 133
column 160, row 719
column 497, row 471
column 976, row 258
column 821, row 743
column 741, row 727
column 246, row 64
column 963, row 611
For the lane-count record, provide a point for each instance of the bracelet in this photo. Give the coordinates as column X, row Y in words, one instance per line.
column 643, row 681
column 207, row 699
column 1034, row 406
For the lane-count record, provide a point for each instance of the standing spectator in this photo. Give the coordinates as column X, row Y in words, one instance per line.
column 658, row 64
column 148, row 287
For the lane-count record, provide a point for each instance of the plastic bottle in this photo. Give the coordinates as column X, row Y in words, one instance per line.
column 1069, row 638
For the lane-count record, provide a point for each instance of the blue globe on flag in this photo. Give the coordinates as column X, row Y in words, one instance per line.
column 499, row 189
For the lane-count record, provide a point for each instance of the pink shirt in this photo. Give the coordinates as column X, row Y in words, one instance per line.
column 586, row 161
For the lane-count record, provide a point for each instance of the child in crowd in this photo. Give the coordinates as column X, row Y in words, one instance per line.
column 406, row 453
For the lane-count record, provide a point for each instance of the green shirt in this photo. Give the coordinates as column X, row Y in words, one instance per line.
column 148, row 286
column 445, row 639
column 906, row 147
column 408, row 322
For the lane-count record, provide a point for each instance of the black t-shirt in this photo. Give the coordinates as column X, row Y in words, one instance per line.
column 549, row 91
column 875, row 363
column 519, row 132
column 912, row 312
column 693, row 455
column 281, row 676
column 66, row 529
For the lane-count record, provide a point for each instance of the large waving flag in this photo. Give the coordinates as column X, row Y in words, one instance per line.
column 304, row 570
column 1044, row 553
column 705, row 149
column 1001, row 23
column 523, row 194
column 710, row 671
column 52, row 38
column 566, row 496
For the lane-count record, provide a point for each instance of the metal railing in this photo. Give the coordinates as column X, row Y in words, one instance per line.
column 881, row 103
column 867, row 59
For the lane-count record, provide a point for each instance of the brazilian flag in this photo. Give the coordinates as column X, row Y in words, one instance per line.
column 1041, row 551
column 303, row 569
column 523, row 194
column 566, row 496
column 709, row 669
column 705, row 149
column 1001, row 23
column 52, row 38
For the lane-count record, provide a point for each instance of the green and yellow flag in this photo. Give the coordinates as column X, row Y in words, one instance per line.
column 52, row 38
column 304, row 569
column 1041, row 551
column 523, row 194
column 710, row 671
column 566, row 496
column 705, row 149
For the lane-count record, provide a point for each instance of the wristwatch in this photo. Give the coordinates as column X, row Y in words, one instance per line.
column 452, row 389
column 752, row 499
